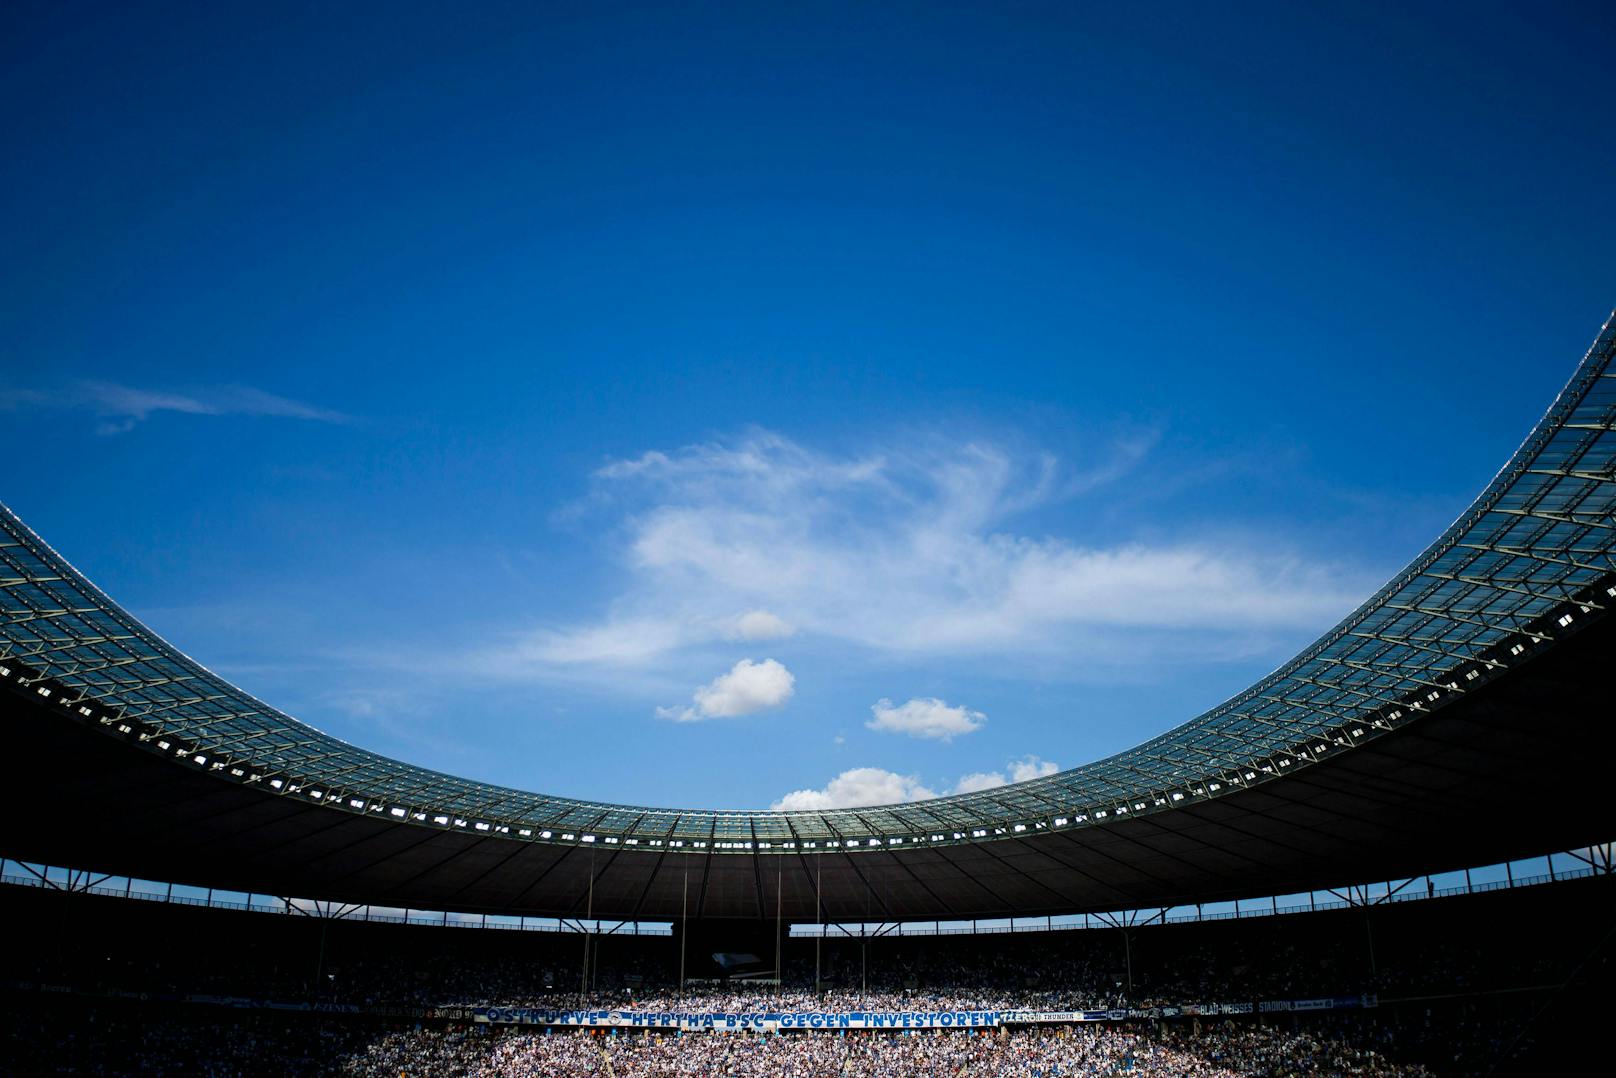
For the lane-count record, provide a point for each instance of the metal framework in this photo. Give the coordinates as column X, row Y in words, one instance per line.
column 1532, row 555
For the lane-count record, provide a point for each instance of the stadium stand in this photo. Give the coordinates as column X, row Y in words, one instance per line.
column 1452, row 985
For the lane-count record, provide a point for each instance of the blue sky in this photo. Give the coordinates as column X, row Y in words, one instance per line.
column 739, row 405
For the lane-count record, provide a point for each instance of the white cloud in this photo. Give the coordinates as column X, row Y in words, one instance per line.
column 910, row 552
column 625, row 642
column 1028, row 767
column 856, row 788
column 748, row 687
column 1031, row 767
column 121, row 407
column 863, row 786
column 759, row 625
column 926, row 717
column 913, row 550
column 979, row 780
column 622, row 642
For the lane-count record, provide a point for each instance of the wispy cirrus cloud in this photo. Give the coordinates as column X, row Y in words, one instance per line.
column 626, row 641
column 912, row 549
column 12, row 400
column 119, row 408
column 860, row 787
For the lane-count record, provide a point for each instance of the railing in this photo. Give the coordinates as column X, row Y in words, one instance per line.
column 1589, row 861
column 1592, row 861
column 76, row 881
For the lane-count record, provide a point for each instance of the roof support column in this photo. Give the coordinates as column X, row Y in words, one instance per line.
column 819, row 917
column 589, row 913
column 684, row 930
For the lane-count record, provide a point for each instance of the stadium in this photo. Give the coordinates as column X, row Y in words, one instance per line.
column 1453, row 721
column 463, row 458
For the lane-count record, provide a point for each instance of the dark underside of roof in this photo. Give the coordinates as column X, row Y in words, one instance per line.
column 1518, row 767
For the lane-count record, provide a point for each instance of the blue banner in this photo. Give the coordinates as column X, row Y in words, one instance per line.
column 739, row 1020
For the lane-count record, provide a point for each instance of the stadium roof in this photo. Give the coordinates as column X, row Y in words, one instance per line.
column 1421, row 716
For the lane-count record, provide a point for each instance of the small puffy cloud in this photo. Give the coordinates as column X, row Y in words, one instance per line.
column 857, row 788
column 747, row 688
column 759, row 625
column 1028, row 767
column 926, row 717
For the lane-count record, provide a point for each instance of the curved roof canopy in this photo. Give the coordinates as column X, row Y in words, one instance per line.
column 1532, row 561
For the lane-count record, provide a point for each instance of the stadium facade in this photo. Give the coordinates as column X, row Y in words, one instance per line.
column 1459, row 716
